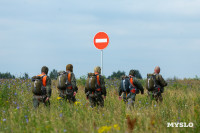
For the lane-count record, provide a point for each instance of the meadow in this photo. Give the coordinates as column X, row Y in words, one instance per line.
column 181, row 103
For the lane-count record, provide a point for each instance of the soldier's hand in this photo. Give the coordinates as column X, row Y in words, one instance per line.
column 104, row 97
column 87, row 98
column 47, row 99
column 74, row 94
column 120, row 98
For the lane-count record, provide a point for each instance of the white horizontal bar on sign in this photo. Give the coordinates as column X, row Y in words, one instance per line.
column 101, row 40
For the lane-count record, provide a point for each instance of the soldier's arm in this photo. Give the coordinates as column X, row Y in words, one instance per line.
column 120, row 91
column 139, row 86
column 73, row 82
column 103, row 86
column 163, row 83
column 48, row 87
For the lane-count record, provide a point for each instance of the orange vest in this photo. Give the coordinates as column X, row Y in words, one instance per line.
column 44, row 79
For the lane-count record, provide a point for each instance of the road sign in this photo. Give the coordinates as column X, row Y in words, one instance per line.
column 101, row 40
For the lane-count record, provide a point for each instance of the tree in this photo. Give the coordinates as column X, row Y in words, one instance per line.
column 53, row 74
column 25, row 76
column 117, row 75
column 6, row 75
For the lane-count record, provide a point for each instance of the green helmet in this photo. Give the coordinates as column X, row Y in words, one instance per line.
column 132, row 72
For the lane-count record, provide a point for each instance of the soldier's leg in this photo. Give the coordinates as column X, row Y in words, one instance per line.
column 131, row 101
column 92, row 101
column 100, row 101
column 35, row 102
column 46, row 103
column 160, row 98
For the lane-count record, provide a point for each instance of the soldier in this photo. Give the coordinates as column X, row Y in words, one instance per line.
column 70, row 89
column 95, row 95
column 41, row 88
column 129, row 87
column 159, row 84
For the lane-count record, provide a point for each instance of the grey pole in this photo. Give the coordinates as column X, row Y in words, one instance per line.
column 102, row 62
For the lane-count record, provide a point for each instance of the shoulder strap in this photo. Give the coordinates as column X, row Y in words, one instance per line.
column 131, row 81
column 98, row 81
column 69, row 76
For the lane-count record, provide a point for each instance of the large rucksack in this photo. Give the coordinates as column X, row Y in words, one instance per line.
column 151, row 82
column 63, row 80
column 91, row 82
column 37, row 85
column 125, row 84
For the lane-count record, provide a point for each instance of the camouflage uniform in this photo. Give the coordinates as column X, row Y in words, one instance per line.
column 68, row 94
column 37, row 99
column 130, row 96
column 96, row 98
column 159, row 89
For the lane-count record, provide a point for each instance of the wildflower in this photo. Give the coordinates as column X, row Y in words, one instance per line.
column 26, row 120
column 77, row 103
column 4, row 119
column 60, row 115
column 17, row 107
column 25, row 116
column 104, row 129
column 65, row 130
column 58, row 98
column 139, row 101
column 116, row 127
column 15, row 93
column 155, row 105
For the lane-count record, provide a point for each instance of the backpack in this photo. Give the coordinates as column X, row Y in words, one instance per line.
column 124, row 84
column 63, row 80
column 151, row 82
column 37, row 85
column 91, row 82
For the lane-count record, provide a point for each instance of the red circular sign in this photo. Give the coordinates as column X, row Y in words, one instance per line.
column 101, row 40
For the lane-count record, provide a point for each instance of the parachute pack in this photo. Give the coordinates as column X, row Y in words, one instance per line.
column 127, row 85
column 63, row 80
column 37, row 85
column 92, row 82
column 151, row 82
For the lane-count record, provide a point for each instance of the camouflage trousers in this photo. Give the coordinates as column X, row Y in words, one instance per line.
column 157, row 95
column 129, row 99
column 67, row 95
column 96, row 99
column 40, row 99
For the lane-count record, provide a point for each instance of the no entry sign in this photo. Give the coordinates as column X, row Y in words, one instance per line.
column 101, row 40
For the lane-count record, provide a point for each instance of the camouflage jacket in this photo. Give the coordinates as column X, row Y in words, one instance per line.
column 160, row 81
column 137, row 84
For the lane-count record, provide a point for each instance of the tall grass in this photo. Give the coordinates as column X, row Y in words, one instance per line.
column 181, row 104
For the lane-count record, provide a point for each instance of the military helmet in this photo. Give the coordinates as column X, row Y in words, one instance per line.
column 69, row 67
column 132, row 72
column 97, row 69
column 45, row 69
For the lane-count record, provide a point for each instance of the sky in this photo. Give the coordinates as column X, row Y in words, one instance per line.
column 142, row 34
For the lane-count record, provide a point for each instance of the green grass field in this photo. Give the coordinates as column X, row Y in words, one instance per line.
column 181, row 103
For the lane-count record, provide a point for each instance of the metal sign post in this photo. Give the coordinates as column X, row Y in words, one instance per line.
column 102, row 62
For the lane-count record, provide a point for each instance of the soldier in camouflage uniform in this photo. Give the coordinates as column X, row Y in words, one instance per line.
column 135, row 88
column 70, row 92
column 96, row 98
column 159, row 87
column 46, row 93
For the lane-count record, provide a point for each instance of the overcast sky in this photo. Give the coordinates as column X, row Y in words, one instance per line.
column 143, row 34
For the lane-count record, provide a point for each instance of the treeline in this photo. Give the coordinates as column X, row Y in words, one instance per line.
column 54, row 74
column 8, row 75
